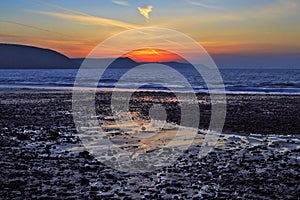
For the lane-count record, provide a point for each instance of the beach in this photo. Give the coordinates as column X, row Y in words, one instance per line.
column 257, row 154
column 119, row 99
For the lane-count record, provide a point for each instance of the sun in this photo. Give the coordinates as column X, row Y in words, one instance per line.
column 153, row 55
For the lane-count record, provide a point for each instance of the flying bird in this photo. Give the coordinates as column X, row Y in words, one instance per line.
column 145, row 11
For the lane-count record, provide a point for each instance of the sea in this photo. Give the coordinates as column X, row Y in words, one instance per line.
column 235, row 81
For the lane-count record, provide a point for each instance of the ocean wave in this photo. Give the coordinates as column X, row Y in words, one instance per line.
column 235, row 81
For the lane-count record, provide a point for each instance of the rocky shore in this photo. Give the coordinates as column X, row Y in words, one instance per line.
column 257, row 156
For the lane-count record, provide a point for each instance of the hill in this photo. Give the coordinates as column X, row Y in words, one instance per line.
column 123, row 62
column 14, row 56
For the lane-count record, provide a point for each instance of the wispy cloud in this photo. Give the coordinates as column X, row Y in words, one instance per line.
column 70, row 14
column 201, row 4
column 120, row 2
column 88, row 19
column 34, row 27
column 225, row 47
column 57, row 7
column 145, row 11
column 268, row 12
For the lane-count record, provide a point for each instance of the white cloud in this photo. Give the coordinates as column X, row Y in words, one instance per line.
column 88, row 19
column 145, row 11
column 201, row 4
column 120, row 2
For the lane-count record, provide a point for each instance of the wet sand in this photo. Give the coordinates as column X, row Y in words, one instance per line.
column 257, row 156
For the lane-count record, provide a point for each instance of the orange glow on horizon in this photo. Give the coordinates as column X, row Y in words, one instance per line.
column 74, row 49
column 153, row 55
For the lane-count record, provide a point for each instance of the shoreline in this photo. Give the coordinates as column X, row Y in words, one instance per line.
column 246, row 113
column 63, row 89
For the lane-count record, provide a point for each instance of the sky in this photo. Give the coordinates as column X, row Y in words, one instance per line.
column 222, row 27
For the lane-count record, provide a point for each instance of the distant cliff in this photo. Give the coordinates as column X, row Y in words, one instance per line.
column 13, row 56
column 122, row 62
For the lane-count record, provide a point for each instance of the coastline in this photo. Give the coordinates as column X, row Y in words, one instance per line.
column 246, row 113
